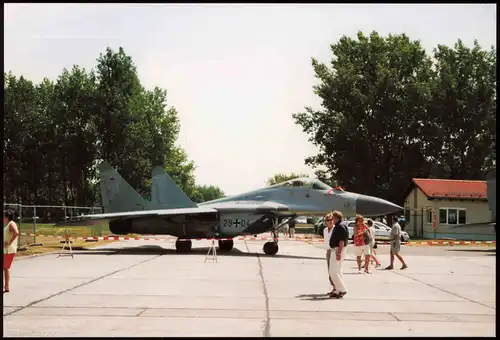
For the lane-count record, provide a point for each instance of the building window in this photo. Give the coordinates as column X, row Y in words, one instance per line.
column 452, row 216
column 429, row 216
column 443, row 216
column 462, row 216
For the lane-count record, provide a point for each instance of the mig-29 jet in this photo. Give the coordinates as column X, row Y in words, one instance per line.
column 171, row 212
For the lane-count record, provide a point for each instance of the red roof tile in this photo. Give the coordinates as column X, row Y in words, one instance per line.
column 447, row 188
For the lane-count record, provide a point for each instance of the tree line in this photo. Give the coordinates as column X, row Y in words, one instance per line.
column 391, row 111
column 57, row 132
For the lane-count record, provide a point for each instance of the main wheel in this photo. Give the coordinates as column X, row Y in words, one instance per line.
column 402, row 239
column 270, row 248
column 226, row 245
column 183, row 246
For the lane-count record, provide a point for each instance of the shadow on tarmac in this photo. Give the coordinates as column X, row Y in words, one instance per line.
column 157, row 250
column 313, row 297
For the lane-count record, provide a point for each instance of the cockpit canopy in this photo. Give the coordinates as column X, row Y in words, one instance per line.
column 305, row 182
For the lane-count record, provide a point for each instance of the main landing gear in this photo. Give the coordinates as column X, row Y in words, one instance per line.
column 271, row 248
column 183, row 246
column 226, row 245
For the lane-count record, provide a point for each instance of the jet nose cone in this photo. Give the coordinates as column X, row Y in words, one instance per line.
column 373, row 206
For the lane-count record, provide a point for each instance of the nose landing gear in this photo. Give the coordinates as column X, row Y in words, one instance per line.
column 271, row 248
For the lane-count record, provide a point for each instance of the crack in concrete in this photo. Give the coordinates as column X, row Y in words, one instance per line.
column 394, row 316
column 78, row 286
column 141, row 312
column 267, row 324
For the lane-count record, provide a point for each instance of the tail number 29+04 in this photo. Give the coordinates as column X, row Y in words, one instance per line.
column 236, row 223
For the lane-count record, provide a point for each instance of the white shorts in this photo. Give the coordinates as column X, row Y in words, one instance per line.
column 359, row 250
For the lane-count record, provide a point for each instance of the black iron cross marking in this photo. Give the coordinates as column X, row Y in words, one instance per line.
column 237, row 223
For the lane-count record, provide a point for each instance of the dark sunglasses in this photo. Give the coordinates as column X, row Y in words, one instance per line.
column 328, row 219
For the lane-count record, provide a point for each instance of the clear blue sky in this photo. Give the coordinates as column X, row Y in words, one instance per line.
column 235, row 73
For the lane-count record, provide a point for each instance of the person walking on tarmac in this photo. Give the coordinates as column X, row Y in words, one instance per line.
column 11, row 239
column 361, row 246
column 373, row 257
column 396, row 244
column 338, row 244
column 327, row 233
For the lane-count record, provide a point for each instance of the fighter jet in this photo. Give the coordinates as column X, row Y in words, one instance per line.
column 171, row 212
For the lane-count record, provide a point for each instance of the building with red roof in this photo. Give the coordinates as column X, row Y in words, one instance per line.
column 434, row 207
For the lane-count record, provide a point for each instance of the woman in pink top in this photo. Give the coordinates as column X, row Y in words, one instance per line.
column 359, row 243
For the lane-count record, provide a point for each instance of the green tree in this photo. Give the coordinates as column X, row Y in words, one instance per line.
column 463, row 109
column 119, row 117
column 279, row 178
column 210, row 192
column 73, row 122
column 20, row 98
column 138, row 123
column 370, row 129
column 56, row 133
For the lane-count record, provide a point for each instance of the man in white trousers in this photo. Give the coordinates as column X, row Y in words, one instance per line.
column 338, row 244
column 327, row 233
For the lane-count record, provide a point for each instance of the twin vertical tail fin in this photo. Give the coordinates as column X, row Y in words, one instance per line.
column 118, row 196
column 165, row 194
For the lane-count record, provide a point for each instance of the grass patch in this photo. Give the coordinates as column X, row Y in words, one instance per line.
column 47, row 229
column 132, row 235
column 50, row 245
column 52, row 230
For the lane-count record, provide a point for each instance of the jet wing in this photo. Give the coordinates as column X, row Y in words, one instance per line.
column 149, row 213
column 97, row 218
column 251, row 206
column 235, row 206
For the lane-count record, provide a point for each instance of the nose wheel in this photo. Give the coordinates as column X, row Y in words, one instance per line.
column 271, row 248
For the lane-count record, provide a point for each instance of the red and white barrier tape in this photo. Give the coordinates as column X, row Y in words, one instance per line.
column 429, row 243
column 432, row 243
column 246, row 238
column 167, row 238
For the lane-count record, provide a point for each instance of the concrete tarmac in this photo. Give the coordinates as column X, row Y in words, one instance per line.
column 143, row 288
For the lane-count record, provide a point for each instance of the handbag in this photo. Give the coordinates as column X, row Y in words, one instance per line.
column 367, row 237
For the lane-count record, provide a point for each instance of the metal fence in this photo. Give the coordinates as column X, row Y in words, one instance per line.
column 34, row 220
